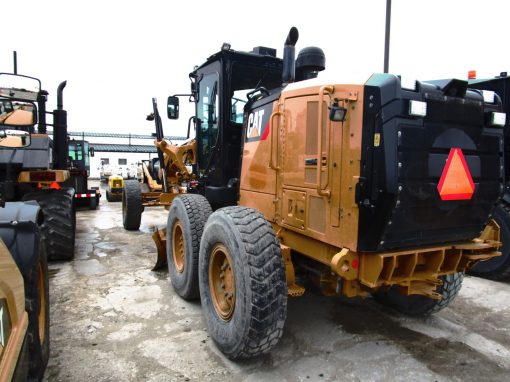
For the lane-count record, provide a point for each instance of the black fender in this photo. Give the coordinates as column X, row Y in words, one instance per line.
column 19, row 230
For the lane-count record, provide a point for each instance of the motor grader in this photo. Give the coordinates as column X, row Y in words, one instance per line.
column 381, row 188
column 160, row 184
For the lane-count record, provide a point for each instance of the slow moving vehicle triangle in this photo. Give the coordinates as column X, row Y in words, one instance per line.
column 456, row 182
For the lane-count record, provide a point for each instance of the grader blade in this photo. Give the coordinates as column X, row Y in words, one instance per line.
column 159, row 237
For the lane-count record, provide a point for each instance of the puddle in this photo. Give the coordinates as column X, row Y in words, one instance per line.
column 106, row 246
column 89, row 267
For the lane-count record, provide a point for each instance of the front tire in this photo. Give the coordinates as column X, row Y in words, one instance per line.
column 186, row 219
column 131, row 205
column 416, row 305
column 242, row 280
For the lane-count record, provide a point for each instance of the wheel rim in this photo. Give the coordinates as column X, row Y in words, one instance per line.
column 222, row 282
column 42, row 304
column 178, row 247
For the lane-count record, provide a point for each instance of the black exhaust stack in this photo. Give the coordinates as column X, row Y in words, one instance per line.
column 60, row 130
column 60, row 95
column 289, row 54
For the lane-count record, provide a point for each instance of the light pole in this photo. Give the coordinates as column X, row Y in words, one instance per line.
column 387, row 37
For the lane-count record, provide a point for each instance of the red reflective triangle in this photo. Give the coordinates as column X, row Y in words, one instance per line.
column 456, row 182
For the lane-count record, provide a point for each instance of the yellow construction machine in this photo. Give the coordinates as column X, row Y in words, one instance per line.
column 383, row 187
column 24, row 301
column 115, row 188
column 39, row 171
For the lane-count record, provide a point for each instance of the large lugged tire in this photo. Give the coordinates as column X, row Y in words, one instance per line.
column 242, row 280
column 59, row 223
column 131, row 205
column 186, row 220
column 498, row 268
column 416, row 305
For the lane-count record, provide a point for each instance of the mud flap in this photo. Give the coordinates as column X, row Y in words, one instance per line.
column 18, row 230
column 159, row 237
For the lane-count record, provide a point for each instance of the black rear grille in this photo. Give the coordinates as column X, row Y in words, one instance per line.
column 400, row 205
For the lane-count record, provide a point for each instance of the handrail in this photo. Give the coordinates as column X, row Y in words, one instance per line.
column 322, row 191
column 271, row 165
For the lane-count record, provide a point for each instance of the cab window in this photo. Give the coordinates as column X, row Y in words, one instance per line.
column 207, row 112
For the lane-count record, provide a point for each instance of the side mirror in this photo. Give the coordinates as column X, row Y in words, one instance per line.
column 17, row 113
column 173, row 107
column 14, row 138
column 91, row 151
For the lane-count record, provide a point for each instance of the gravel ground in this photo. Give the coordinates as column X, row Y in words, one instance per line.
column 113, row 319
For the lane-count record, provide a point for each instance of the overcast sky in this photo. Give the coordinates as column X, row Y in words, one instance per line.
column 117, row 55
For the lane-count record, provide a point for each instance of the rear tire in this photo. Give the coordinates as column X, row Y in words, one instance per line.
column 58, row 227
column 186, row 219
column 416, row 305
column 242, row 280
column 131, row 205
column 108, row 196
column 498, row 268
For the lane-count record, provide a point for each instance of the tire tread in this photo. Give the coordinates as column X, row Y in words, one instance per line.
column 420, row 306
column 268, row 281
column 197, row 209
column 131, row 205
column 58, row 227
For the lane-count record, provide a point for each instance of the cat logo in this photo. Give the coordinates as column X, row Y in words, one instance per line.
column 255, row 124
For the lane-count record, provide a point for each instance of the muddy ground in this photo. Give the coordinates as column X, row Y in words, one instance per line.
column 113, row 319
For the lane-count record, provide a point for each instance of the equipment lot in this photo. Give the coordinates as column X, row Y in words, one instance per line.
column 113, row 319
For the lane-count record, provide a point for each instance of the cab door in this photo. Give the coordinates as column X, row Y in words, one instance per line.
column 309, row 194
column 207, row 114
